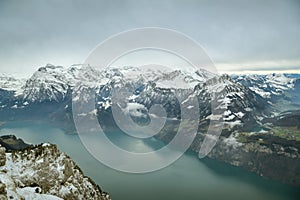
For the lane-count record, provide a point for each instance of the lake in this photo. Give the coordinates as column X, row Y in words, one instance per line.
column 188, row 178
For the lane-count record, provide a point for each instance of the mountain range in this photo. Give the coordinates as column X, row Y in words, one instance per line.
column 260, row 113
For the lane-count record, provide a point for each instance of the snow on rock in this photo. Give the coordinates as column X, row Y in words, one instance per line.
column 42, row 172
column 54, row 83
column 48, row 83
column 31, row 193
column 268, row 85
column 163, row 77
column 46, row 145
column 10, row 83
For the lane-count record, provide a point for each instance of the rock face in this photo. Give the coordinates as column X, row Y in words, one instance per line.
column 2, row 156
column 11, row 143
column 43, row 172
column 278, row 159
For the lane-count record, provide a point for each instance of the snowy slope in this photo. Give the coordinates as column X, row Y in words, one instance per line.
column 10, row 83
column 281, row 90
column 54, row 83
column 268, row 86
column 42, row 172
column 163, row 77
column 238, row 105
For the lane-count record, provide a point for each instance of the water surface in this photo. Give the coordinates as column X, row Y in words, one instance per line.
column 187, row 178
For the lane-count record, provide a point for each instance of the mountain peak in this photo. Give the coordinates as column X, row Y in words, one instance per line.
column 49, row 67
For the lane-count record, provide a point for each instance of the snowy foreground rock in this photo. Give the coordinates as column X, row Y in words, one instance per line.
column 43, row 172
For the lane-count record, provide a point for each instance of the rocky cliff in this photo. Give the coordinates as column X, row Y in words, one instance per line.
column 43, row 172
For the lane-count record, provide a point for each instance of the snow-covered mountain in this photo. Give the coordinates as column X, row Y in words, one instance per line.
column 9, row 83
column 54, row 83
column 43, row 172
column 245, row 99
column 282, row 90
column 239, row 106
column 268, row 86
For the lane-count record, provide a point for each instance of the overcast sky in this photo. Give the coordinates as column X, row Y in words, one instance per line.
column 237, row 35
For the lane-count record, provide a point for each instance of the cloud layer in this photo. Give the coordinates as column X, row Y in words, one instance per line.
column 33, row 33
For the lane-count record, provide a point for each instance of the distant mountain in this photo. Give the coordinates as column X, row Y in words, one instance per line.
column 282, row 90
column 9, row 83
column 297, row 76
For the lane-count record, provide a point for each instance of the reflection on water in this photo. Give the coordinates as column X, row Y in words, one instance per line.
column 187, row 178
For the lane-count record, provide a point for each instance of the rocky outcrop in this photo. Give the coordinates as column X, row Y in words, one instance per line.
column 2, row 156
column 11, row 143
column 42, row 171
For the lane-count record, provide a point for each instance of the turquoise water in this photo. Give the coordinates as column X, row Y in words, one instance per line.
column 187, row 178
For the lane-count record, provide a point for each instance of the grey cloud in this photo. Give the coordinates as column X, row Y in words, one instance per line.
column 34, row 32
